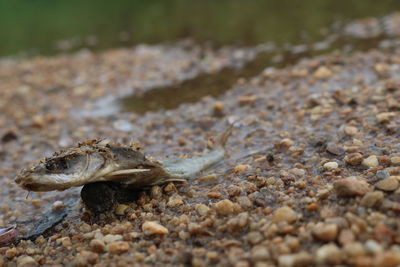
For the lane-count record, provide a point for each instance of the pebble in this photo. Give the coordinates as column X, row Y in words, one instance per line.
column 301, row 259
column 353, row 159
column 350, row 187
column 354, row 249
column 388, row 259
column 58, row 205
column 260, row 253
column 11, row 253
column 322, row 73
column 373, row 247
column 224, row 207
column 382, row 174
column 202, row 209
column 153, row 228
column 385, row 117
column 218, row 109
column 175, row 201
column 328, row 254
column 97, row 245
column 371, row 161
column 26, row 261
column 325, row 232
column 331, row 165
column 120, row 209
column 388, row 184
column 350, row 130
column 372, row 199
column 118, row 247
column 241, row 168
column 395, row 160
column 285, row 214
column 112, row 238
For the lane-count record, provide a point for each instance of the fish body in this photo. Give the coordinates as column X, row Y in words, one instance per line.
column 101, row 161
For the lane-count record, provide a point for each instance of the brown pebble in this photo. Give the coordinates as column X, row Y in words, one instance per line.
column 387, row 259
column 322, row 73
column 26, row 261
column 153, row 228
column 353, row 159
column 11, row 253
column 241, row 168
column 175, row 201
column 372, row 199
column 388, row 184
column 325, row 232
column 202, row 209
column 224, row 207
column 247, row 99
column 346, row 236
column 97, row 245
column 218, row 109
column 285, row 214
column 350, row 187
column 118, row 247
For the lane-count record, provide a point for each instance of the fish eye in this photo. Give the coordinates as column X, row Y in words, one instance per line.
column 57, row 164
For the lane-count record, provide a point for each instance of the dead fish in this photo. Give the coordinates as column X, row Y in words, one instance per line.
column 102, row 161
column 8, row 235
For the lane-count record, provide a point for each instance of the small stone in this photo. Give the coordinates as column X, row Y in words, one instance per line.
column 97, row 245
column 329, row 254
column 112, row 238
column 395, row 160
column 322, row 73
column 247, row 99
column 388, row 259
column 259, row 253
column 353, row 159
column 334, row 149
column 373, row 247
column 372, row 199
column 224, row 207
column 285, row 214
column 175, row 201
column 331, row 165
column 26, row 261
column 58, row 205
column 382, row 174
column 218, row 109
column 346, row 236
column 301, row 259
column 325, row 232
column 153, row 228
column 202, row 209
column 371, row 161
column 11, row 253
column 385, row 117
column 120, row 209
column 118, row 247
column 350, row 187
column 241, row 168
column 381, row 68
column 388, row 184
column 286, row 142
column 350, row 130
column 354, row 249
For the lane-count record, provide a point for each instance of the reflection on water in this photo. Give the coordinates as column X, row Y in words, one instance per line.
column 46, row 26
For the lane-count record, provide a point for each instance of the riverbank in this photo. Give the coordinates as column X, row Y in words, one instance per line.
column 311, row 176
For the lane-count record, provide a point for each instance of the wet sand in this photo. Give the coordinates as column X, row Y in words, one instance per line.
column 311, row 177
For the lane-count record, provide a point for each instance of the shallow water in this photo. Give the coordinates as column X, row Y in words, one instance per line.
column 48, row 27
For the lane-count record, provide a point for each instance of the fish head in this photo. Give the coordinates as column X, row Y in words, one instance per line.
column 62, row 171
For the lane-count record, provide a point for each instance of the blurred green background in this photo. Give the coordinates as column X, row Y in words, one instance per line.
column 49, row 26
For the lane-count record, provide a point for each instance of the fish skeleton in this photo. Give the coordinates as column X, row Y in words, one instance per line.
column 102, row 161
